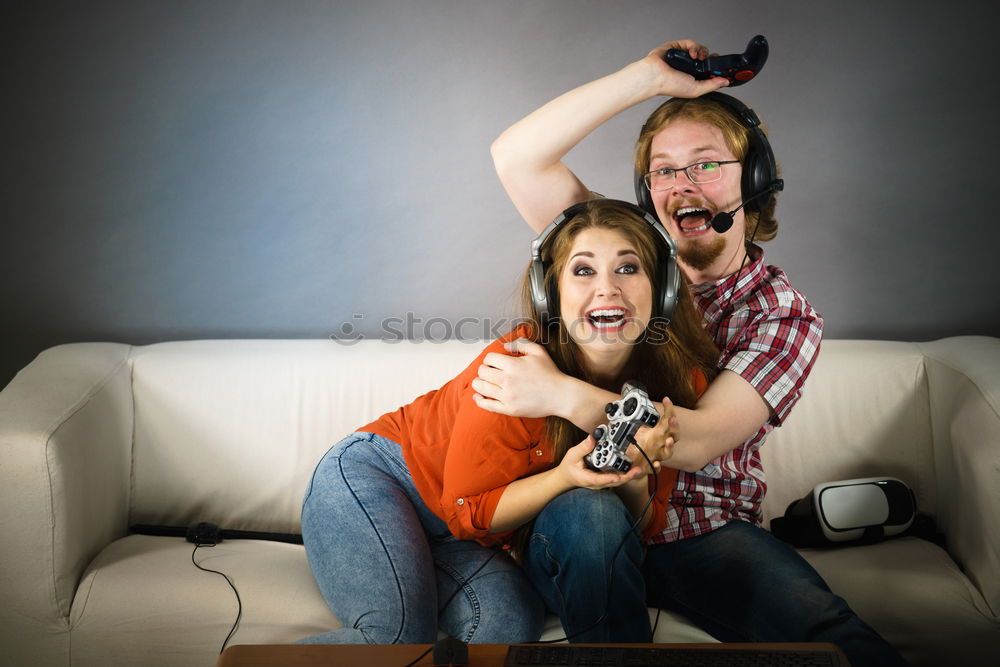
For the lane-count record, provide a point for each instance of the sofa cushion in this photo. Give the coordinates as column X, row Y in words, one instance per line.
column 143, row 592
column 846, row 429
column 124, row 614
column 242, row 458
column 143, row 602
column 896, row 585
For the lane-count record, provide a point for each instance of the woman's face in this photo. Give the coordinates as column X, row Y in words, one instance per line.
column 605, row 294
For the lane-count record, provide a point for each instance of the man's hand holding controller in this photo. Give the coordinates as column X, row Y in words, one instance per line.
column 672, row 82
column 656, row 441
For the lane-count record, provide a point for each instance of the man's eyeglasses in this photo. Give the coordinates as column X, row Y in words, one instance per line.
column 664, row 178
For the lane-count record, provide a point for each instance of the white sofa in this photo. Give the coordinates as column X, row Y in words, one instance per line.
column 96, row 437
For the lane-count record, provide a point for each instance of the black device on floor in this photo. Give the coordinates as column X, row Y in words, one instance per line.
column 572, row 655
column 737, row 67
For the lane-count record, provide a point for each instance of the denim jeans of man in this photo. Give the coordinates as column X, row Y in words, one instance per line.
column 738, row 583
column 385, row 563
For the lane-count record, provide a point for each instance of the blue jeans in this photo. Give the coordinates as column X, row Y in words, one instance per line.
column 569, row 560
column 389, row 568
column 738, row 583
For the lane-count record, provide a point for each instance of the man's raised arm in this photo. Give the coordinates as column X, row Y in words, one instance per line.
column 528, row 155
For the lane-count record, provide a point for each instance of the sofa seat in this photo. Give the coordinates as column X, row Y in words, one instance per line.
column 895, row 585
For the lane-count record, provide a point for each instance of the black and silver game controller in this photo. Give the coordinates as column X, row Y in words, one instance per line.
column 625, row 416
column 737, row 67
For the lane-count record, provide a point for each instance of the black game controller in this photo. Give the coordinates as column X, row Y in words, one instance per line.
column 737, row 67
column 625, row 416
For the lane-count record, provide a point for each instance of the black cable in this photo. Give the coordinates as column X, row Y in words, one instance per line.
column 419, row 657
column 746, row 255
column 467, row 580
column 451, row 597
column 239, row 602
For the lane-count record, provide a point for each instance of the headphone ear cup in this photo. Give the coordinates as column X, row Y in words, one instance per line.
column 759, row 175
column 643, row 197
column 667, row 274
column 667, row 284
column 540, row 299
column 553, row 314
column 753, row 179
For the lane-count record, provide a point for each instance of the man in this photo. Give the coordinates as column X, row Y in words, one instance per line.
column 713, row 562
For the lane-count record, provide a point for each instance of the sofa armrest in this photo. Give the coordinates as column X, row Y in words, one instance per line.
column 65, row 461
column 963, row 375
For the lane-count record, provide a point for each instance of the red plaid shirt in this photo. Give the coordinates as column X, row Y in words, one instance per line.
column 769, row 335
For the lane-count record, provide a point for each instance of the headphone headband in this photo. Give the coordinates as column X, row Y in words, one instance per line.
column 666, row 276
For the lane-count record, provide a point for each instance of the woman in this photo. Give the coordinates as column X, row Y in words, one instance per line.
column 405, row 521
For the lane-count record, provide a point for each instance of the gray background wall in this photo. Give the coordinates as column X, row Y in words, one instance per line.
column 299, row 169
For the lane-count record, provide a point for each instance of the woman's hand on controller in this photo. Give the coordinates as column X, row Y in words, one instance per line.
column 575, row 471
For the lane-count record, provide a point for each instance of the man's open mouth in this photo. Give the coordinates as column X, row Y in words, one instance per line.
column 693, row 218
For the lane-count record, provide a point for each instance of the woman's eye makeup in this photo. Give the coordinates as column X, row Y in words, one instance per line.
column 626, row 268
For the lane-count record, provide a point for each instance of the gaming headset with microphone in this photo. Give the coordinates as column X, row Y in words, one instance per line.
column 760, row 171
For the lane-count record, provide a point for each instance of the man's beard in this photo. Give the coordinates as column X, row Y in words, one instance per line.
column 700, row 256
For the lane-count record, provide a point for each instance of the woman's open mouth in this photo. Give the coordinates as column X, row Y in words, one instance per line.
column 608, row 319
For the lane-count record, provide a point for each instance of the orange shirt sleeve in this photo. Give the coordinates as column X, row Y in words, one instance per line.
column 487, row 452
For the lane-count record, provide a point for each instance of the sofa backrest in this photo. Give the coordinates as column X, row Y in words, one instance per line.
column 863, row 413
column 229, row 431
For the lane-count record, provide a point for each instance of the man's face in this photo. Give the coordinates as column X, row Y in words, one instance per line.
column 687, row 208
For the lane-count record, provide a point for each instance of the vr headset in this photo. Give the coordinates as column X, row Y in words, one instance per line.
column 854, row 510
